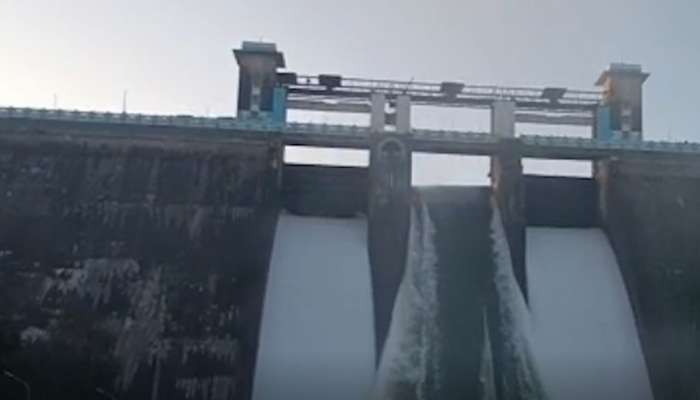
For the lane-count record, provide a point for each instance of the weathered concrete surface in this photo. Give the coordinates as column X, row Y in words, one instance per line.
column 389, row 206
column 324, row 190
column 136, row 265
column 651, row 211
column 563, row 202
column 509, row 194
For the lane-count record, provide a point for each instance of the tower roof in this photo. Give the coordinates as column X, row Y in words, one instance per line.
column 262, row 49
column 621, row 69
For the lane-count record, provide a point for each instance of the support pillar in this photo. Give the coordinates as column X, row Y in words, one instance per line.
column 508, row 190
column 503, row 118
column 508, row 186
column 403, row 114
column 377, row 121
column 389, row 222
column 509, row 198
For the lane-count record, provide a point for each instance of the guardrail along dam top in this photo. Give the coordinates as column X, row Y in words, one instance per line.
column 346, row 136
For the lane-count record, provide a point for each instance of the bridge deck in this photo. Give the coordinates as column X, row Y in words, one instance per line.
column 336, row 136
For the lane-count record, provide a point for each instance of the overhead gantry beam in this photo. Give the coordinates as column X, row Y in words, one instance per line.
column 580, row 119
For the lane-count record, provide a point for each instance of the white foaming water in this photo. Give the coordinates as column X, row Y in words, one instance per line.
column 514, row 315
column 408, row 367
column 586, row 341
column 317, row 334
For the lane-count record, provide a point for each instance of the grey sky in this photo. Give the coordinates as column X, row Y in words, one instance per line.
column 174, row 56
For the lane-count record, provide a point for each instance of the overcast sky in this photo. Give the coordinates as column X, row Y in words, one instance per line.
column 175, row 56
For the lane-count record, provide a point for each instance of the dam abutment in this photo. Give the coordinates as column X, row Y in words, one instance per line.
column 650, row 210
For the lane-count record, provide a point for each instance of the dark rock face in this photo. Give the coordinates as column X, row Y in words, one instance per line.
column 133, row 266
column 652, row 215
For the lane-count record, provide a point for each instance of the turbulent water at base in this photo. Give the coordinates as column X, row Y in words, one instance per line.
column 440, row 344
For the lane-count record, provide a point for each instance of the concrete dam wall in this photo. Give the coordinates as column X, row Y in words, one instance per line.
column 137, row 267
column 651, row 214
column 139, row 261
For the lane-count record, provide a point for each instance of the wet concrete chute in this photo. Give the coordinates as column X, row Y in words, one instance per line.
column 583, row 327
column 317, row 334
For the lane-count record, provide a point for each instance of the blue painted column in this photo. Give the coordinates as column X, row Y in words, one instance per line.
column 279, row 105
column 603, row 129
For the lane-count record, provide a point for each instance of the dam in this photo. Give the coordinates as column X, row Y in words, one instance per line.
column 180, row 257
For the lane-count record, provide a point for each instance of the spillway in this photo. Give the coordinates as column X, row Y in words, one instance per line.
column 584, row 334
column 317, row 334
column 439, row 346
column 411, row 358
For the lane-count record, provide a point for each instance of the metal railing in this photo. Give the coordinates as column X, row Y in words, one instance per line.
column 340, row 131
column 591, row 97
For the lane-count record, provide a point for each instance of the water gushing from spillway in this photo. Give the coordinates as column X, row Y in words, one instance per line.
column 409, row 366
column 584, row 332
column 460, row 325
column 317, row 333
column 458, row 276
column 517, row 366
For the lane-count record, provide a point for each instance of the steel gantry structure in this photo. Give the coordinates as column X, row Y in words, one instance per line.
column 266, row 93
column 557, row 106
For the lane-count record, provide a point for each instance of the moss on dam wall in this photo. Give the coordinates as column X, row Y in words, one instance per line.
column 135, row 268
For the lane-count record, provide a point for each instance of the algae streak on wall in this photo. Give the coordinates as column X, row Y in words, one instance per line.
column 133, row 266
